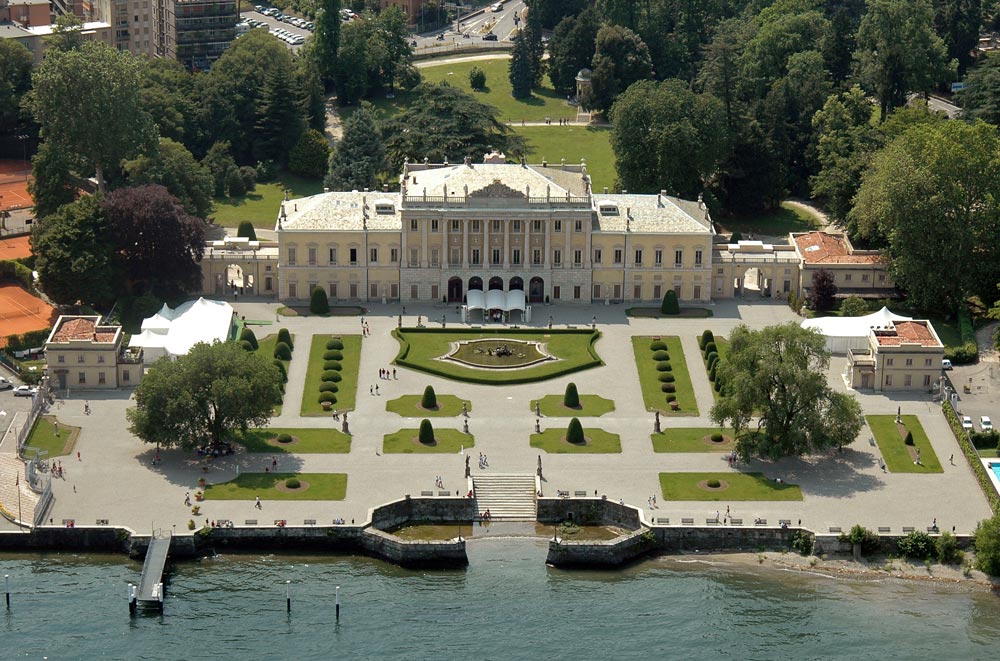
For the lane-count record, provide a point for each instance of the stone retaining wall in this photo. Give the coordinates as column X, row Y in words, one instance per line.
column 588, row 512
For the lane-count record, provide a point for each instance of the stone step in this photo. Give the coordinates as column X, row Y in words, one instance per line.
column 508, row 496
column 12, row 483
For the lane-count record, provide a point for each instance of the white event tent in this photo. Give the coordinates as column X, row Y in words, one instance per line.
column 496, row 300
column 173, row 332
column 851, row 333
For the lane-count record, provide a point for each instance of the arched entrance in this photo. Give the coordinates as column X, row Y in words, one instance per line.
column 536, row 290
column 496, row 282
column 516, row 284
column 475, row 283
column 454, row 290
column 752, row 282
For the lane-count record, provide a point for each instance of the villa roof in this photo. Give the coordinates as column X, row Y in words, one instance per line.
column 825, row 248
column 342, row 211
column 651, row 214
column 454, row 180
column 908, row 332
column 70, row 328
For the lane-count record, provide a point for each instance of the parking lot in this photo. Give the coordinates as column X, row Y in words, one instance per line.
column 272, row 24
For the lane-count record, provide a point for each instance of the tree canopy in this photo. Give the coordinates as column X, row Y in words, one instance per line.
column 173, row 167
column 204, row 397
column 15, row 81
column 620, row 59
column 776, row 397
column 359, row 158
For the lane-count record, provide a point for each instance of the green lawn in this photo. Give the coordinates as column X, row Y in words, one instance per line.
column 692, row 439
column 43, row 438
column 447, row 441
column 741, row 486
column 778, row 222
column 590, row 406
column 348, row 386
column 304, row 441
column 591, row 143
column 598, row 442
column 652, row 394
column 261, row 206
column 420, row 350
column 247, row 486
column 408, row 406
column 265, row 348
column 895, row 452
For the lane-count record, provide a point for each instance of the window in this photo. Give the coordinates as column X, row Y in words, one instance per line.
column 597, row 291
column 889, row 361
column 332, row 289
column 516, row 226
column 434, row 224
column 881, row 277
column 475, row 226
column 847, row 277
column 907, row 380
column 927, row 379
column 454, row 256
column 617, row 292
column 618, row 255
column 697, row 292
column 312, row 256
column 578, row 226
column 373, row 290
column 80, row 358
column 413, row 224
column 578, row 258
column 888, row 379
column 638, row 258
column 476, row 261
column 576, row 292
column 62, row 359
column 927, row 362
column 536, row 257
column 434, row 292
column 657, row 295
column 101, row 378
column 557, row 227
column 455, row 225
column 557, row 257
column 353, row 290
column 597, row 255
column 658, row 258
column 435, row 256
column 333, row 256
column 495, row 257
column 100, row 358
column 414, row 290
column 677, row 290
column 373, row 255
column 126, row 377
column 394, row 291
column 678, row 258
column 293, row 290
column 556, row 291
column 909, row 362
column 291, row 256
column 414, row 257
column 536, row 226
column 354, row 256
column 496, row 226
column 865, row 277
column 697, row 258
column 636, row 292
column 393, row 255
column 517, row 257
column 82, row 377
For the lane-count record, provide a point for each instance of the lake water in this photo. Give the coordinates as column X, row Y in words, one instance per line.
column 506, row 605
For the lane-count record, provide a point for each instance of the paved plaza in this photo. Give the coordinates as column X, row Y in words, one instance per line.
column 115, row 478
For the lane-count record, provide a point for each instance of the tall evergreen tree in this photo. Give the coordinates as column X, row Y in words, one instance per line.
column 359, row 157
column 279, row 116
column 326, row 46
column 519, row 69
column 532, row 34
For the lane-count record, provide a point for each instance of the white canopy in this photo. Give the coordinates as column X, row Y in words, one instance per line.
column 174, row 332
column 851, row 333
column 495, row 299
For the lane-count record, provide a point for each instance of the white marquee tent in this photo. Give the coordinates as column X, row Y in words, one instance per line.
column 851, row 333
column 173, row 332
column 496, row 300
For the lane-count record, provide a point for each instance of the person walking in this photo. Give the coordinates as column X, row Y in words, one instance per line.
column 257, row 503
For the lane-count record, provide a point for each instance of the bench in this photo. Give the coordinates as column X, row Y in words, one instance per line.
column 908, row 529
column 933, row 529
column 784, row 522
column 444, row 493
column 580, row 494
column 687, row 522
column 884, row 530
column 661, row 521
column 101, row 522
column 562, row 494
column 835, row 529
column 426, row 493
column 711, row 522
column 308, row 522
column 736, row 522
column 222, row 523
column 760, row 522
column 250, row 522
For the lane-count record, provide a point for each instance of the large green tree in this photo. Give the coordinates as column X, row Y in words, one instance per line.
column 279, row 116
column 15, row 81
column 620, row 59
column 351, row 75
column 444, row 122
column 88, row 102
column 981, row 97
column 572, row 49
column 359, row 157
column 899, row 52
column 168, row 95
column 74, row 254
column 667, row 137
column 958, row 23
column 51, row 183
column 519, row 68
column 173, row 167
column 204, row 397
column 932, row 193
column 776, row 397
column 326, row 41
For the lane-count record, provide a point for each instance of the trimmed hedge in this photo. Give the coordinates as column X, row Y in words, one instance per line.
column 284, row 438
column 671, row 398
column 710, row 348
column 327, row 397
column 972, row 456
column 571, row 398
column 282, row 351
column 658, row 345
column 574, row 433
column 286, row 337
column 664, row 366
column 327, row 386
column 668, row 387
column 706, row 337
column 666, row 377
column 969, row 351
column 335, row 345
column 661, row 355
column 247, row 335
column 333, row 365
column 330, row 375
column 281, row 368
column 426, row 433
column 12, row 271
column 246, row 346
column 333, row 354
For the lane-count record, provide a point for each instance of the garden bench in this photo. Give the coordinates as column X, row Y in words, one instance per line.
column 760, row 522
column 563, row 494
column 308, row 522
column 426, row 493
column 101, row 522
column 222, row 523
column 661, row 521
column 580, row 494
column 835, row 529
column 908, row 529
column 444, row 493
column 784, row 522
column 250, row 522
column 711, row 522
column 687, row 522
column 933, row 529
column 884, row 530
column 736, row 522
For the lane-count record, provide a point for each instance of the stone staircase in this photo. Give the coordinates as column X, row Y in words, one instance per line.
column 508, row 496
column 12, row 480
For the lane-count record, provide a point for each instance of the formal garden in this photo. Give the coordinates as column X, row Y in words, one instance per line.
column 576, row 439
column 726, row 487
column 429, row 404
column 713, row 351
column 267, row 348
column 280, row 486
column 572, row 403
column 296, row 441
column 332, row 374
column 904, row 445
column 427, row 440
column 694, row 439
column 663, row 375
column 515, row 356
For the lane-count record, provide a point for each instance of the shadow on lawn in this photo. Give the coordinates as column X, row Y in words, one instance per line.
column 833, row 476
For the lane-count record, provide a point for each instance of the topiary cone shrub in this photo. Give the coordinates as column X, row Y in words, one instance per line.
column 574, row 433
column 318, row 302
column 333, row 354
column 335, row 345
column 426, row 434
column 286, row 337
column 713, row 484
column 247, row 335
column 293, row 483
column 282, row 351
column 706, row 337
column 246, row 346
column 281, row 368
column 658, row 345
column 284, row 438
column 571, row 399
column 429, row 399
column 909, row 438
column 717, row 437
column 670, row 305
column 711, row 348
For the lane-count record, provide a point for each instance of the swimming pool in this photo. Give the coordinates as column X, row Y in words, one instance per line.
column 993, row 471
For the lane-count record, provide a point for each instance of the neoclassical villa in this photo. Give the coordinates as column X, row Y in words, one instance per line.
column 540, row 229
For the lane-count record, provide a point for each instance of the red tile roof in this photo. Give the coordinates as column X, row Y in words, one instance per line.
column 82, row 328
column 910, row 332
column 823, row 248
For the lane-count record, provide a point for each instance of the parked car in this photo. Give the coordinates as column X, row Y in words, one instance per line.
column 967, row 423
column 945, row 364
column 5, row 384
column 25, row 391
column 489, row 36
column 985, row 423
column 259, row 9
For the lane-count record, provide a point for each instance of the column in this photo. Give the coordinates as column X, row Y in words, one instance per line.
column 506, row 244
column 423, row 224
column 446, row 257
column 487, row 248
column 465, row 244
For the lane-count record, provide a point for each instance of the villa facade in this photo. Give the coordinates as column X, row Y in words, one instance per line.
column 81, row 352
column 902, row 355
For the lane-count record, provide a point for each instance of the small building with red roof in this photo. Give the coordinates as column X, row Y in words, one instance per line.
column 83, row 353
column 902, row 355
column 855, row 272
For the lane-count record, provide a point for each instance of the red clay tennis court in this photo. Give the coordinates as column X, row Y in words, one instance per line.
column 14, row 175
column 18, row 247
column 21, row 312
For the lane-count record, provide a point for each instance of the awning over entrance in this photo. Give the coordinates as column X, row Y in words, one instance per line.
column 495, row 299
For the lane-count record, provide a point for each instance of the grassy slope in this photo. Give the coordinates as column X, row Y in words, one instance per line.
column 654, row 398
column 778, row 222
column 348, row 385
column 310, row 441
column 261, row 206
column 43, row 438
column 590, row 143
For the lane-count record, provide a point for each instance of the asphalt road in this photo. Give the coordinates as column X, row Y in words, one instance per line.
column 499, row 23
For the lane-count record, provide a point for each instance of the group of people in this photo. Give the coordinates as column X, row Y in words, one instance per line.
column 385, row 374
column 222, row 523
column 652, row 501
column 365, row 330
column 483, row 461
column 485, row 516
column 439, row 482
